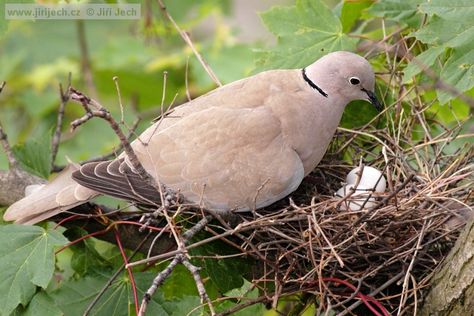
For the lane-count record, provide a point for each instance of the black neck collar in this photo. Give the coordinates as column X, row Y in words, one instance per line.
column 312, row 84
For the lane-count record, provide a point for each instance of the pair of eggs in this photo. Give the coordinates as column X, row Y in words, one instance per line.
column 361, row 196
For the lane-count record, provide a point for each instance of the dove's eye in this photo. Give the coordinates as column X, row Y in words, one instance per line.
column 354, row 80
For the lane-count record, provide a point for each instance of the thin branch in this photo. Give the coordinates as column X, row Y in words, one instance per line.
column 188, row 41
column 64, row 98
column 186, row 237
column 190, row 233
column 112, row 154
column 117, row 87
column 12, row 162
column 104, row 114
column 179, row 257
column 113, row 277
column 129, row 270
column 163, row 95
column 186, row 80
column 373, row 293
column 404, row 296
column 199, row 284
column 159, row 279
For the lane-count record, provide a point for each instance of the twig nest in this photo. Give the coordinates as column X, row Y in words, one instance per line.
column 371, row 178
column 355, row 199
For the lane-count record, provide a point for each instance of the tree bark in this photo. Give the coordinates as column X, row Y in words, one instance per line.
column 452, row 287
column 13, row 184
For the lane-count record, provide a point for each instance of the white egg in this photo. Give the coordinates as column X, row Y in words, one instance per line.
column 371, row 178
column 361, row 199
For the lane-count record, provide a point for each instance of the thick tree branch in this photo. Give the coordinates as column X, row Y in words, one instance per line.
column 12, row 162
column 14, row 181
column 13, row 184
column 453, row 285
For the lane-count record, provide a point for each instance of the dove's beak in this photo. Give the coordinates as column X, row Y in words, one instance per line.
column 373, row 99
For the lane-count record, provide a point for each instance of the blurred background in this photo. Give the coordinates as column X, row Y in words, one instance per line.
column 36, row 56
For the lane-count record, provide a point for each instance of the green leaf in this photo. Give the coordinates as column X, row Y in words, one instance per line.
column 425, row 59
column 351, row 12
column 27, row 261
column 246, row 292
column 449, row 27
column 357, row 113
column 35, row 155
column 305, row 32
column 85, row 257
column 179, row 284
column 446, row 32
column 458, row 72
column 184, row 306
column 42, row 305
column 398, row 10
column 74, row 296
column 226, row 274
column 457, row 10
column 453, row 112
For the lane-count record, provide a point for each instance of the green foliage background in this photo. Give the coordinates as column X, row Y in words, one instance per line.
column 36, row 56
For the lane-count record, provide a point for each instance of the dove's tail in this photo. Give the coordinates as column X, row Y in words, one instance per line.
column 45, row 201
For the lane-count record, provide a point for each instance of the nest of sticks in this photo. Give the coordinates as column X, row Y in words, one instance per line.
column 379, row 258
column 366, row 258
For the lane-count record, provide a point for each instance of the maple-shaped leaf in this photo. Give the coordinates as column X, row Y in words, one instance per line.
column 305, row 32
column 26, row 261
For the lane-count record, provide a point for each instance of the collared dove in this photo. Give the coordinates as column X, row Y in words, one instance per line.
column 239, row 147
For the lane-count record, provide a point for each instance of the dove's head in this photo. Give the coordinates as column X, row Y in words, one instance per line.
column 344, row 77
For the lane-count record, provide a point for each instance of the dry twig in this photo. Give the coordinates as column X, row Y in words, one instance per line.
column 188, row 41
column 64, row 98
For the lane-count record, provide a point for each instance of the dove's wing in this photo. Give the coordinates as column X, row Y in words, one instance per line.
column 223, row 158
